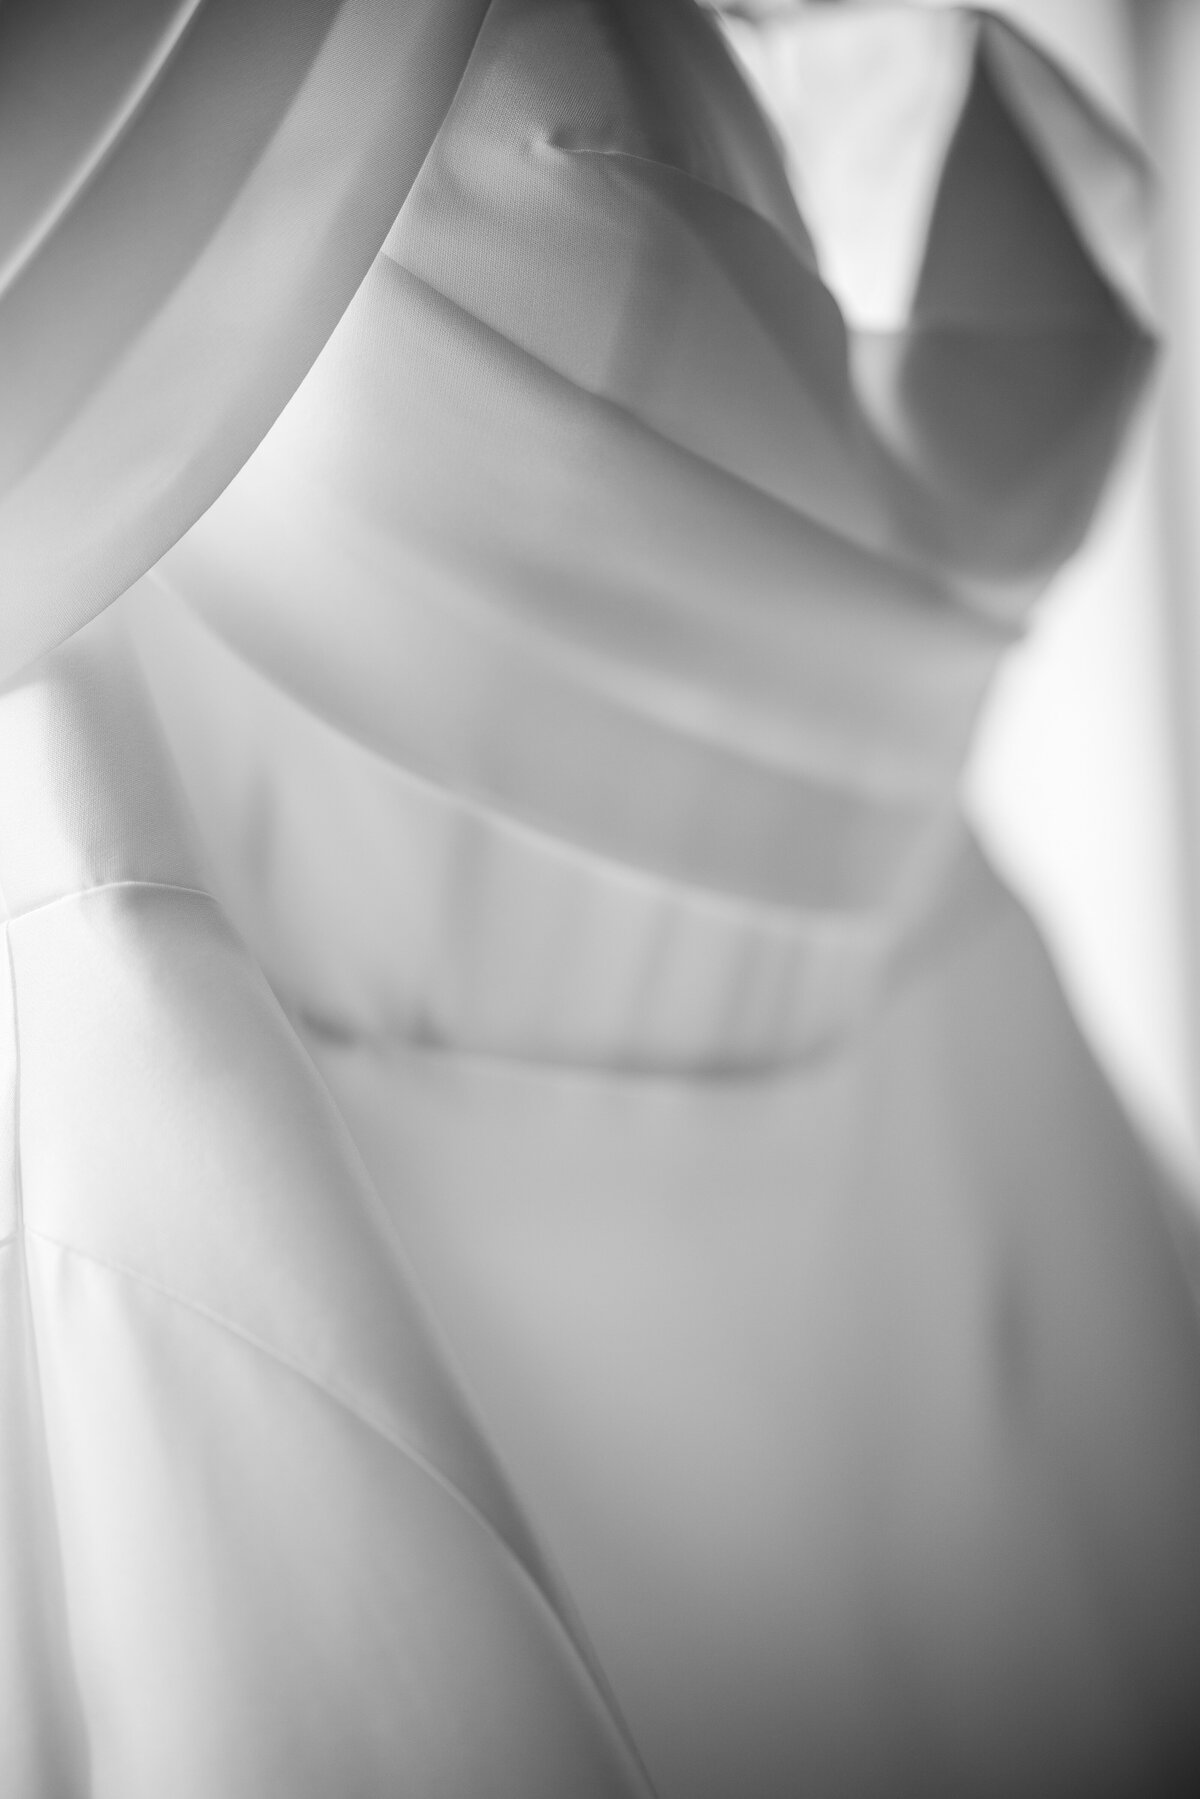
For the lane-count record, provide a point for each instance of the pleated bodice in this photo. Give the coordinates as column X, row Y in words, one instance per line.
column 625, row 613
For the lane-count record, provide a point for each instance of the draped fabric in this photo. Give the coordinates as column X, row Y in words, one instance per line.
column 224, row 1398
column 193, row 190
column 560, row 1236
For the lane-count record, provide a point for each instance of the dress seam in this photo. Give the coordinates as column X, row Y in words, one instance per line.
column 19, row 1238
column 343, row 1401
column 408, row 1453
column 78, row 893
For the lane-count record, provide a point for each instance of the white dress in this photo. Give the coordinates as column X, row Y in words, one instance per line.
column 562, row 1239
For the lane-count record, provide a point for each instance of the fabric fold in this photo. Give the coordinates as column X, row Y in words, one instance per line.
column 232, row 1352
column 214, row 261
column 595, row 515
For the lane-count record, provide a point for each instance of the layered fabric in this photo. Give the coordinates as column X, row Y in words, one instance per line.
column 858, row 1401
column 192, row 191
column 560, row 1236
column 257, row 1541
column 654, row 606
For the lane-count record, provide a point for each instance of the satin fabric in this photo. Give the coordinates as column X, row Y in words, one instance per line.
column 278, row 1553
column 190, row 199
column 674, row 679
column 649, row 1292
column 858, row 1402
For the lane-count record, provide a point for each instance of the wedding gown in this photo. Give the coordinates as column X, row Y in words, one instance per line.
column 561, row 1238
